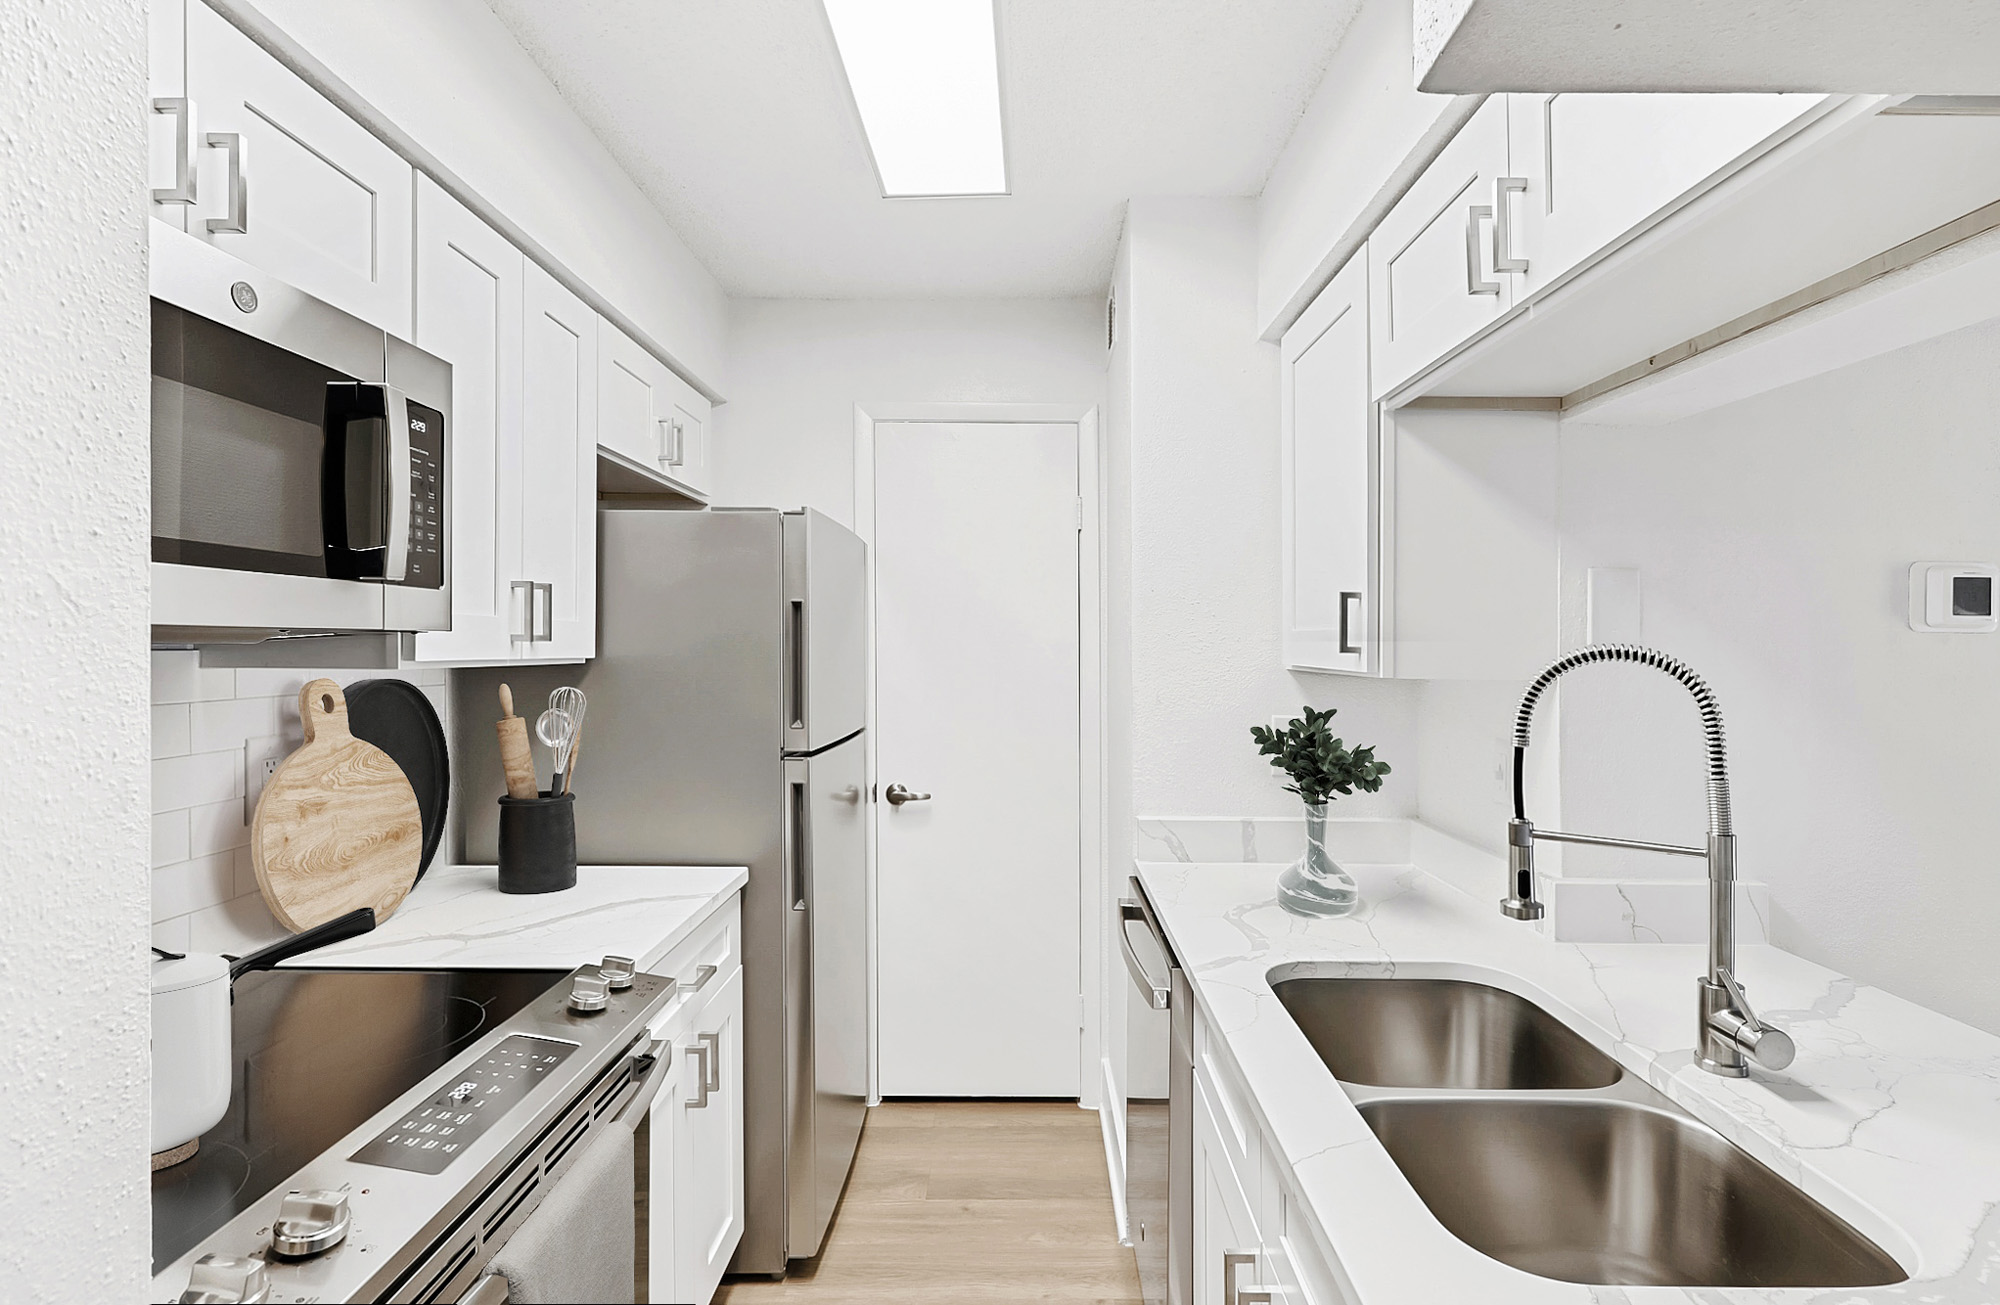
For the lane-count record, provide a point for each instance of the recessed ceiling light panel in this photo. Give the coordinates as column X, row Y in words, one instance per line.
column 926, row 78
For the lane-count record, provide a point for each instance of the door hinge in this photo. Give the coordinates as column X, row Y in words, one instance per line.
column 1082, row 1020
column 1079, row 516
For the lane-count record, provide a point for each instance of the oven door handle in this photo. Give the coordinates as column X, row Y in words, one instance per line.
column 1132, row 910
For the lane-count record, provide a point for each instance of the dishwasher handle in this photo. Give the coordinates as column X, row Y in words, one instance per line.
column 1157, row 992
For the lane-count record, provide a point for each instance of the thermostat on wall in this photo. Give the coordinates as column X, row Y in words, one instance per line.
column 1953, row 597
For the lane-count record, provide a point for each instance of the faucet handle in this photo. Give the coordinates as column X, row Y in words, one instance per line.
column 1768, row 1046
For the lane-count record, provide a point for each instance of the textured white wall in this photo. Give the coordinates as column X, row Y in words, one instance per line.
column 786, row 438
column 73, row 507
column 1206, row 657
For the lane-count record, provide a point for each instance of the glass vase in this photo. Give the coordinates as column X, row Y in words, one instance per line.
column 1313, row 885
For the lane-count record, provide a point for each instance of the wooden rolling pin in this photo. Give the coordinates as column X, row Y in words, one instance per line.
column 515, row 757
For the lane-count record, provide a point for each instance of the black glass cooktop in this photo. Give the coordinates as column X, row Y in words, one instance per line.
column 318, row 1052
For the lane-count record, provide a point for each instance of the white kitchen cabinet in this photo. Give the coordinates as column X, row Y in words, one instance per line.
column 1592, row 167
column 649, row 416
column 693, row 1167
column 1228, row 1255
column 469, row 313
column 708, row 1144
column 558, row 470
column 1329, row 481
column 288, row 182
column 1432, row 277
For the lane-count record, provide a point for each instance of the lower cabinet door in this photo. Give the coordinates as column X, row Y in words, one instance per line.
column 708, row 1144
column 662, row 1158
column 1228, row 1257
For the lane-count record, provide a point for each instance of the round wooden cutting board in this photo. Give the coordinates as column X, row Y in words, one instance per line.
column 338, row 826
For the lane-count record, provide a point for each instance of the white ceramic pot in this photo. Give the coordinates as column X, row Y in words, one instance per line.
column 191, row 1048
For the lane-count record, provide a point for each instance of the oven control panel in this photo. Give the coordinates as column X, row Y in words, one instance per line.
column 436, row 1132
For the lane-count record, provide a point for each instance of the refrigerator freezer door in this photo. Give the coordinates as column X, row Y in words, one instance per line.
column 827, row 938
column 825, row 615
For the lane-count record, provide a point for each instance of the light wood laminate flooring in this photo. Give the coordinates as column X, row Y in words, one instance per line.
column 979, row 1201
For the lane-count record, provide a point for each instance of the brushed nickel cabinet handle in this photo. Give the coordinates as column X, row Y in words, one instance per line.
column 1503, row 224
column 237, row 219
column 182, row 191
column 1475, row 284
column 1346, row 645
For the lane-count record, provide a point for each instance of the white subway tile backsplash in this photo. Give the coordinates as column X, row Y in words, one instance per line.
column 226, row 724
column 170, row 730
column 170, row 837
column 234, row 927
column 205, row 894
column 197, row 779
column 179, row 676
column 172, row 934
column 193, row 885
column 216, row 827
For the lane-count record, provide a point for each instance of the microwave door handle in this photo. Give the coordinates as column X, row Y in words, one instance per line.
column 397, row 486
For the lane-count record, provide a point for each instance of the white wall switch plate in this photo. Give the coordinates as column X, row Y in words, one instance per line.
column 1954, row 597
column 1613, row 611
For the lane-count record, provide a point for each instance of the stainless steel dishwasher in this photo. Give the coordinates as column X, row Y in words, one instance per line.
column 1159, row 1140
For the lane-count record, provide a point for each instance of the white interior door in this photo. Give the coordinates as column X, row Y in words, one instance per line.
column 976, row 689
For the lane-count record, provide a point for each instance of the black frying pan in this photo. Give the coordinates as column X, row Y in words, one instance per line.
column 396, row 717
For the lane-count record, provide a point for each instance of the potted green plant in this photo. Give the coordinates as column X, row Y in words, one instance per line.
column 1320, row 767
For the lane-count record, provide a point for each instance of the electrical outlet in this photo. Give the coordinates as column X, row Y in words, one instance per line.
column 261, row 759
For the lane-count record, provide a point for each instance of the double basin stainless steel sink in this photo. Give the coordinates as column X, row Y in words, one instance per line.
column 1533, row 1147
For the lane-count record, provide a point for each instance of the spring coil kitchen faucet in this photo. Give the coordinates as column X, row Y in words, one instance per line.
column 1729, row 1031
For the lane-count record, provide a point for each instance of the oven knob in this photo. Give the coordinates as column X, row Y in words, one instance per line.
column 588, row 993
column 310, row 1222
column 617, row 971
column 226, row 1280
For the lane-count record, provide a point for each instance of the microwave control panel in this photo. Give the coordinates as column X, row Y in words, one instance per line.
column 427, row 517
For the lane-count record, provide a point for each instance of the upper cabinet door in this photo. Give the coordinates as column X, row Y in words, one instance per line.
column 630, row 399
column 649, row 415
column 1589, row 169
column 468, row 312
column 559, row 468
column 288, row 182
column 685, row 429
column 1432, row 276
column 1329, row 479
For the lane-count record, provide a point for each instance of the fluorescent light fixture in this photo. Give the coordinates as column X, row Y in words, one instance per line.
column 926, row 78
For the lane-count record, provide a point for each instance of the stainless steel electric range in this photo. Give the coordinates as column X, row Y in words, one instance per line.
column 389, row 1130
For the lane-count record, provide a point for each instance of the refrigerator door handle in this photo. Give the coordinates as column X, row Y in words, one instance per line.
column 795, row 670
column 798, row 830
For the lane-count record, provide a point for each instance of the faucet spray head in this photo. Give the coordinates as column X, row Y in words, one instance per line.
column 1520, row 902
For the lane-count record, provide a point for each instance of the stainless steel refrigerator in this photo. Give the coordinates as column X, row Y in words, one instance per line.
column 727, row 700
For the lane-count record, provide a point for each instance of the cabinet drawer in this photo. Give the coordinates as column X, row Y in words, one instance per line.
column 1216, row 1082
column 702, row 964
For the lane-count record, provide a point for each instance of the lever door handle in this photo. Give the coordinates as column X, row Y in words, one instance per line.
column 897, row 795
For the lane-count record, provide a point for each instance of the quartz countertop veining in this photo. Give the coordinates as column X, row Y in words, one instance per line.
column 457, row 918
column 1890, row 1116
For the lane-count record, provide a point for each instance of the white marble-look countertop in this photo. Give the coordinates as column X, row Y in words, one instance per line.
column 457, row 918
column 1890, row 1115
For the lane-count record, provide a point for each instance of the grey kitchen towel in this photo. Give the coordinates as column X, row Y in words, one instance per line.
column 577, row 1248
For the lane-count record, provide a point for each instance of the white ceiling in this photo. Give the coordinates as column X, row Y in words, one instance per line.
column 735, row 120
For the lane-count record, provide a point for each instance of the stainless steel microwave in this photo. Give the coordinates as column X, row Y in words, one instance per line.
column 299, row 461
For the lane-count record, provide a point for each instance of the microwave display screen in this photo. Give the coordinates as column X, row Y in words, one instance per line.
column 238, row 446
